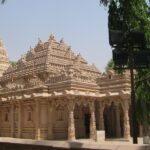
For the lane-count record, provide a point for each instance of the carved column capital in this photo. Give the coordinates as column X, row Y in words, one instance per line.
column 92, row 107
column 101, row 105
column 71, row 105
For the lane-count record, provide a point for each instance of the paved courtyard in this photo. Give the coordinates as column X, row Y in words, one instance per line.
column 77, row 144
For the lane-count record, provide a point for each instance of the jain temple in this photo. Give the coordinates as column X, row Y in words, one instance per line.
column 52, row 93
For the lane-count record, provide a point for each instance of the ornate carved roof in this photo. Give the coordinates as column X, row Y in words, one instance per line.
column 4, row 61
column 51, row 68
column 50, row 62
column 114, row 82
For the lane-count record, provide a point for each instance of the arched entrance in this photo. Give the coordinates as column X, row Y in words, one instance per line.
column 82, row 118
column 113, row 121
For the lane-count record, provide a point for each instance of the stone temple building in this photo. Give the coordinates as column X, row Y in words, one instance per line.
column 52, row 93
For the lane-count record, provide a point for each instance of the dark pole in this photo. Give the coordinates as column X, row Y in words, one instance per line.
column 133, row 109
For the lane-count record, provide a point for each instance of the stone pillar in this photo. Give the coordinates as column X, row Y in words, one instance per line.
column 12, row 120
column 118, row 127
column 92, row 122
column 50, row 121
column 19, row 119
column 37, row 120
column 101, row 117
column 101, row 132
column 126, row 123
column 71, row 123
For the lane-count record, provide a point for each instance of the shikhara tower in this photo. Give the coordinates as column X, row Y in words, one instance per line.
column 4, row 61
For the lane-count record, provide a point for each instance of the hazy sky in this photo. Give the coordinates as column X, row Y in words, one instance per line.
column 82, row 24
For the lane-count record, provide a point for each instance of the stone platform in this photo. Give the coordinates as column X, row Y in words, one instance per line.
column 27, row 144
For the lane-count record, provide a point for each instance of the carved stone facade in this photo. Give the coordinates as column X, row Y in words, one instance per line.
column 52, row 93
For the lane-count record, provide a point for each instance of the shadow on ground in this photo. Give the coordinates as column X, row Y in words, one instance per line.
column 39, row 145
column 14, row 146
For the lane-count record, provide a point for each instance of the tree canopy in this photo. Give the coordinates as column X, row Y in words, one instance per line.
column 110, row 65
column 134, row 15
column 13, row 63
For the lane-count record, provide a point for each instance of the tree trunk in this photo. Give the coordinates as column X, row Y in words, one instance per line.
column 146, row 128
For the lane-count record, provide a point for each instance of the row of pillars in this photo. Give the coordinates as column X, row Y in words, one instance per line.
column 19, row 120
column 126, row 122
column 71, row 122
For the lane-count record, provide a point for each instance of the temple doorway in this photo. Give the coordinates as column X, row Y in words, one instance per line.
column 82, row 121
column 113, row 121
column 87, row 125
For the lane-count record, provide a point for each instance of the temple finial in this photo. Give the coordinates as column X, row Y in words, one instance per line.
column 51, row 37
column 69, row 48
column 62, row 41
column 31, row 48
column 39, row 41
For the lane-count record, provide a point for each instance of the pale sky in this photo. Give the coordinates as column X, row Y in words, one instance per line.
column 81, row 23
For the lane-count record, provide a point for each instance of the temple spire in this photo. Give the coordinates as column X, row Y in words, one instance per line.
column 62, row 41
column 51, row 38
column 39, row 41
column 4, row 61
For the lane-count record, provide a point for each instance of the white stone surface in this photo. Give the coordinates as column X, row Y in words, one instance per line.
column 146, row 140
column 100, row 135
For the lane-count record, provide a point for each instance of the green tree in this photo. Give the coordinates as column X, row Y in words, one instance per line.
column 110, row 65
column 13, row 63
column 134, row 15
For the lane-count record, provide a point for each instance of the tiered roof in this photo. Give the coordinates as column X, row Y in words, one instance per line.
column 51, row 68
column 52, row 64
column 114, row 82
